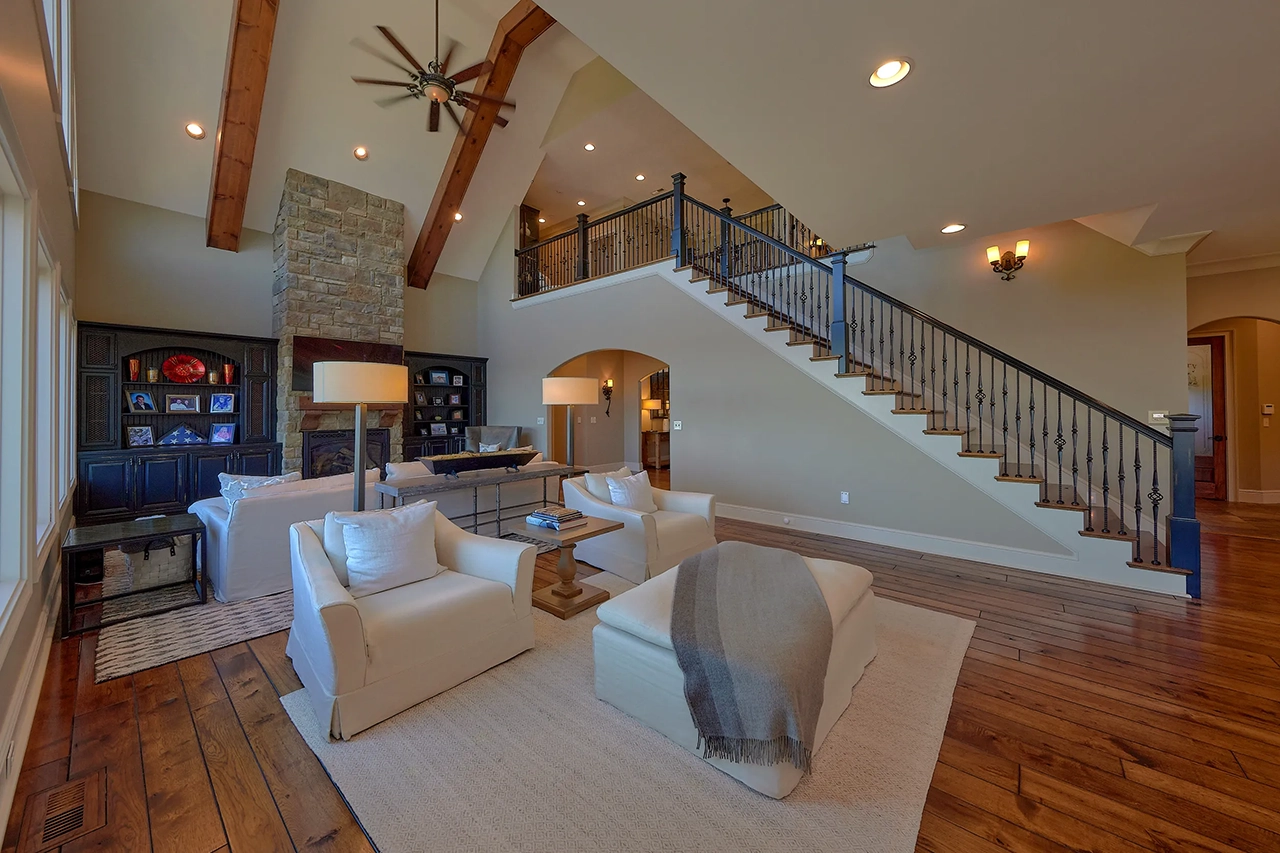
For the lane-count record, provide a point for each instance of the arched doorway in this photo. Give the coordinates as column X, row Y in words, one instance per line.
column 606, row 435
column 655, row 419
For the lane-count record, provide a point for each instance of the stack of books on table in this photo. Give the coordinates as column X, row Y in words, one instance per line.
column 557, row 518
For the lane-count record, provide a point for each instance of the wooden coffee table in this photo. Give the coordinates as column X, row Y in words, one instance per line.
column 569, row 598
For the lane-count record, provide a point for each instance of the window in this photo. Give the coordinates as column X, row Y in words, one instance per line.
column 14, row 239
column 46, row 358
column 66, row 399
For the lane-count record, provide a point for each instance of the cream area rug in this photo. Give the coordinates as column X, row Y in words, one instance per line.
column 525, row 758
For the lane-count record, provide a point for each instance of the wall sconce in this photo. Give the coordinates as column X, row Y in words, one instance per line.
column 1010, row 262
column 607, row 390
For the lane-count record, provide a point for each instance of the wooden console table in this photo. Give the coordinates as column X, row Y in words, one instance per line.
column 403, row 491
column 656, row 445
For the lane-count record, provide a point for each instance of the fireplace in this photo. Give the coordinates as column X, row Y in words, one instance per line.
column 326, row 452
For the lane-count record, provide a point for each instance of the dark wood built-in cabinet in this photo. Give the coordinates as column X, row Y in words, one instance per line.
column 117, row 482
column 422, row 410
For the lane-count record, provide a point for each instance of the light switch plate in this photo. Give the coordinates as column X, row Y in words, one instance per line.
column 593, row 418
column 677, row 425
column 542, row 421
column 1158, row 418
column 844, row 497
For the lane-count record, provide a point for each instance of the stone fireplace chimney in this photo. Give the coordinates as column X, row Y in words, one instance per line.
column 339, row 273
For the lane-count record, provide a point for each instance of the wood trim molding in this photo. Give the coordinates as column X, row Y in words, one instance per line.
column 243, row 86
column 516, row 31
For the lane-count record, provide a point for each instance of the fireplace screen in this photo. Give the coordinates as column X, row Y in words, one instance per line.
column 328, row 452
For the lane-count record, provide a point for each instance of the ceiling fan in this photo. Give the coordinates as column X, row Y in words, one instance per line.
column 434, row 82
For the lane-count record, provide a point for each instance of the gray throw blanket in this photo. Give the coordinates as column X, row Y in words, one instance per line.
column 752, row 635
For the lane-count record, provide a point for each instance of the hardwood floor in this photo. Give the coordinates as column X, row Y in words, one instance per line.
column 1085, row 717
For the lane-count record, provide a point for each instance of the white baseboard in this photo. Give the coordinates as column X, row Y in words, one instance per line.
column 1259, row 496
column 1061, row 565
column 18, row 728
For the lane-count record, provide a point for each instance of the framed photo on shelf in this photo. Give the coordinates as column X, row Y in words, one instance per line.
column 457, row 380
column 139, row 401
column 181, row 403
column 456, row 415
column 420, row 398
column 222, row 434
column 222, row 404
column 141, row 436
column 455, row 399
column 417, row 379
column 438, row 377
column 453, row 431
column 437, row 401
column 438, row 429
column 417, row 415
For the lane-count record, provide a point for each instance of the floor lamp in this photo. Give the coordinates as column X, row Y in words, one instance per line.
column 360, row 383
column 570, row 391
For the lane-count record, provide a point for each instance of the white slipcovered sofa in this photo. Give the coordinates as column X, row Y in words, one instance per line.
column 650, row 542
column 249, row 538
column 366, row 659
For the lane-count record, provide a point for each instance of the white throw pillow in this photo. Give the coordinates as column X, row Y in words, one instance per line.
column 490, row 448
column 632, row 492
column 235, row 486
column 598, row 484
column 388, row 548
column 335, row 548
column 405, row 470
column 346, row 481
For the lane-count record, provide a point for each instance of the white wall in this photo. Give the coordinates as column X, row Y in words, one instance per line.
column 756, row 432
column 441, row 318
column 146, row 266
column 1248, row 293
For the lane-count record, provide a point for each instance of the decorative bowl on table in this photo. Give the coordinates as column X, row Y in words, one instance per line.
column 453, row 464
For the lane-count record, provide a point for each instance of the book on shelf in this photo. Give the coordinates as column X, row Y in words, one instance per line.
column 557, row 525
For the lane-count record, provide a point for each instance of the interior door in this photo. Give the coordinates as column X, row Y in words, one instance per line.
column 1207, row 397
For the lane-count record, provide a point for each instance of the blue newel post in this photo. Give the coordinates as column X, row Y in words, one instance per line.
column 726, row 238
column 1184, row 529
column 679, row 240
column 839, row 327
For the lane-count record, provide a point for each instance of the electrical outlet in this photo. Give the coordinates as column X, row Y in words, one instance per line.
column 579, row 420
column 593, row 418
column 542, row 421
column 677, row 425
column 844, row 497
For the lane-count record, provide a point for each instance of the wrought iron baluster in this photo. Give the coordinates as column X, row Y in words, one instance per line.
column 1059, row 443
column 892, row 375
column 1088, row 467
column 946, row 411
column 967, row 402
column 1137, row 494
column 1017, row 421
column 980, row 396
column 1155, row 497
column 1106, row 477
column 1075, row 467
column 955, row 377
column 1004, row 416
column 1120, row 482
column 1044, row 424
column 912, row 359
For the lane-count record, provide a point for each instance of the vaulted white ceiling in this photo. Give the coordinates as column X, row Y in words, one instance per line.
column 1015, row 114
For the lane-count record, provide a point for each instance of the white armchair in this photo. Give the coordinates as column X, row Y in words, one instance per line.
column 366, row 659
column 650, row 542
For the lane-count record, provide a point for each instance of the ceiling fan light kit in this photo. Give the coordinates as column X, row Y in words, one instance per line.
column 433, row 82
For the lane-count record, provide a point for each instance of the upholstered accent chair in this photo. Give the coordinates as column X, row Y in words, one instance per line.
column 364, row 660
column 650, row 542
column 507, row 436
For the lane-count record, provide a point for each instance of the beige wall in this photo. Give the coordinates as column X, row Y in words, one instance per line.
column 756, row 432
column 441, row 318
column 1253, row 380
column 594, row 444
column 1085, row 309
column 1250, row 293
column 146, row 266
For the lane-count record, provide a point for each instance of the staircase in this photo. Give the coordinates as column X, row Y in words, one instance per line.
column 1031, row 441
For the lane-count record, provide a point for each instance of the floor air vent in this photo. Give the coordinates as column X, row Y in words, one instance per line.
column 57, row 815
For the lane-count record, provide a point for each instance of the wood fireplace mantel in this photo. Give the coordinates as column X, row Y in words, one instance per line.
column 312, row 410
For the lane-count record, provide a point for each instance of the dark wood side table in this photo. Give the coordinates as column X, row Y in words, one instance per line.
column 569, row 598
column 101, row 537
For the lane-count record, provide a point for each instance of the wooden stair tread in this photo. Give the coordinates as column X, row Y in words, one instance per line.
column 824, row 358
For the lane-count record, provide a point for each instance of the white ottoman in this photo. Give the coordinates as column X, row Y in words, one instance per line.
column 637, row 672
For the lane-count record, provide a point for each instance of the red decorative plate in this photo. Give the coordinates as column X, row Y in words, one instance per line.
column 182, row 368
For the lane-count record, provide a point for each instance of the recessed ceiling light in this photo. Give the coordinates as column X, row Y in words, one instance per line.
column 457, row 217
column 195, row 131
column 890, row 72
column 581, row 203
column 361, row 153
column 540, row 219
column 589, row 147
column 953, row 228
column 639, row 177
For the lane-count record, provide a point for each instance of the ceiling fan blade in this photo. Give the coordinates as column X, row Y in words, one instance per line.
column 453, row 115
column 373, row 81
column 474, row 71
column 433, row 118
column 497, row 119
column 448, row 55
column 387, row 102
column 361, row 44
column 395, row 42
column 486, row 99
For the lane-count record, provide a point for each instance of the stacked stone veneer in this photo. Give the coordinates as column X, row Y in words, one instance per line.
column 339, row 273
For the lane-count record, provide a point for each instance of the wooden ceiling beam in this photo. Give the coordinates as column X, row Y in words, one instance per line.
column 243, row 86
column 516, row 31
